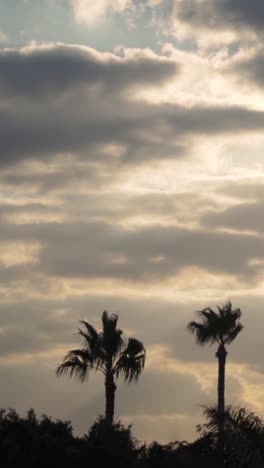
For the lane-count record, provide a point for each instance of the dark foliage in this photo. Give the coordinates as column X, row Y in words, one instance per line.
column 179, row 455
column 40, row 442
column 242, row 441
column 112, row 445
column 31, row 442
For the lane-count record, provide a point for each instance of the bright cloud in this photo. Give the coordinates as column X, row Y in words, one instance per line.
column 87, row 11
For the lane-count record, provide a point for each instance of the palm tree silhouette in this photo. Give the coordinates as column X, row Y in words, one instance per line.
column 221, row 328
column 243, row 435
column 107, row 352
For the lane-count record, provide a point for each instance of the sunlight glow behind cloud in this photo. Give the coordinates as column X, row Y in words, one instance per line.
column 87, row 11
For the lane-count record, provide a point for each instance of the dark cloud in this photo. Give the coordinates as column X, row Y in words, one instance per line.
column 242, row 12
column 42, row 71
column 244, row 217
column 250, row 69
column 58, row 175
column 242, row 190
column 83, row 125
column 71, row 128
column 170, row 208
column 222, row 14
column 80, row 120
column 153, row 253
column 28, row 209
column 36, row 326
column 85, row 103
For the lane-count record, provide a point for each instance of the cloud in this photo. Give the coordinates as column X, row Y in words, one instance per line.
column 142, row 254
column 248, row 65
column 36, row 71
column 90, row 13
column 91, row 107
column 85, row 100
column 198, row 20
column 242, row 13
column 3, row 38
column 242, row 190
column 219, row 14
column 242, row 217
column 155, row 252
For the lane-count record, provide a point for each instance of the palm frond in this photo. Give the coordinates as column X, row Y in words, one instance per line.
column 89, row 340
column 112, row 341
column 233, row 333
column 90, row 329
column 84, row 354
column 131, row 361
column 78, row 362
column 202, row 333
column 73, row 368
column 207, row 314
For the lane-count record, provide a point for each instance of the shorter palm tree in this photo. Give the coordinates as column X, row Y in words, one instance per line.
column 242, row 443
column 221, row 328
column 105, row 351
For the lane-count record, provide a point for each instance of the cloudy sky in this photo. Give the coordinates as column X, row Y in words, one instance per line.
column 131, row 180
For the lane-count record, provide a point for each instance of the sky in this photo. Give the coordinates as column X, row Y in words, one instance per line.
column 131, row 180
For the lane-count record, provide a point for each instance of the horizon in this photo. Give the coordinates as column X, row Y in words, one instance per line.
column 132, row 181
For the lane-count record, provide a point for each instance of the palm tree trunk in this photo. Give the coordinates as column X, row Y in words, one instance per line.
column 110, row 388
column 221, row 355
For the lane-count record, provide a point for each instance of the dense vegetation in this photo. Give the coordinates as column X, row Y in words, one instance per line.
column 32, row 442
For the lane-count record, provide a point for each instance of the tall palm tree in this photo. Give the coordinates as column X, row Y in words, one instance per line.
column 222, row 328
column 105, row 351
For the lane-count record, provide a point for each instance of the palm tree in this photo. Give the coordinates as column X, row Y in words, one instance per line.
column 243, row 436
column 220, row 327
column 105, row 351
